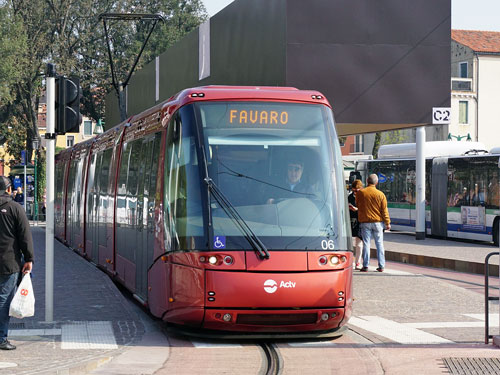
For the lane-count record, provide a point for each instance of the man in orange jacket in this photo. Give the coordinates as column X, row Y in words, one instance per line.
column 372, row 216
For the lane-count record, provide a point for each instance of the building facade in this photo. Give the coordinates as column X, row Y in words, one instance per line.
column 475, row 82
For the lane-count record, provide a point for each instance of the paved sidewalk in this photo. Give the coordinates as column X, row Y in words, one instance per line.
column 93, row 322
column 97, row 330
column 438, row 253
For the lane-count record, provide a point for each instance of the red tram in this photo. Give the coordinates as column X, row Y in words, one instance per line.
column 222, row 208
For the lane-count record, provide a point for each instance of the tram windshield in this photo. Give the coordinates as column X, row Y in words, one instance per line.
column 279, row 165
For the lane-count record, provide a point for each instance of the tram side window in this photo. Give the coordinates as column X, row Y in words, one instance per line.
column 103, row 195
column 70, row 193
column 126, row 213
column 91, row 191
column 182, row 186
column 458, row 183
column 78, row 194
column 121, row 207
column 59, row 196
column 133, row 182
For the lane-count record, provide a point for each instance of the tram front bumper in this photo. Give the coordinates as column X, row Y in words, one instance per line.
column 277, row 302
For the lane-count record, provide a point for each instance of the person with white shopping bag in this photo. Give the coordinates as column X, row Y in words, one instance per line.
column 16, row 254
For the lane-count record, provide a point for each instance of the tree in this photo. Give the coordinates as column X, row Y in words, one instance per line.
column 376, row 144
column 12, row 48
column 395, row 136
column 69, row 34
column 12, row 45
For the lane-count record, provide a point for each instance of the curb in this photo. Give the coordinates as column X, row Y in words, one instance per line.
column 442, row 263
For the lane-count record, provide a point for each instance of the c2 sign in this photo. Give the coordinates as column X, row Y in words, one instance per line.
column 441, row 115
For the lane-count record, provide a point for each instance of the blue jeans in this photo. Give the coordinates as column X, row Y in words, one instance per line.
column 8, row 285
column 377, row 231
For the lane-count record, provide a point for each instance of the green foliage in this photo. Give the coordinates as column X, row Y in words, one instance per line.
column 69, row 34
column 376, row 144
column 40, row 175
column 15, row 138
column 395, row 136
column 12, row 45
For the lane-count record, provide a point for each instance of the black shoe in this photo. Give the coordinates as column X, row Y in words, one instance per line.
column 364, row 269
column 380, row 269
column 6, row 345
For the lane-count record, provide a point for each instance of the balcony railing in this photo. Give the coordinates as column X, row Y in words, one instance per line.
column 461, row 84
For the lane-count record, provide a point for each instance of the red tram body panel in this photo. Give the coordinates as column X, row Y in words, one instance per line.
column 221, row 209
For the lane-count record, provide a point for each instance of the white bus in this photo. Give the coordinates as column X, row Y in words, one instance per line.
column 462, row 188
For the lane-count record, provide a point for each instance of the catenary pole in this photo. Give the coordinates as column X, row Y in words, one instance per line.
column 420, row 198
column 50, row 137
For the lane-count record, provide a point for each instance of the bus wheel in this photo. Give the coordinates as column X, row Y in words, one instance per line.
column 495, row 231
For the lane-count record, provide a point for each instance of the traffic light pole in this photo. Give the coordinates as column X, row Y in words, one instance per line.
column 50, row 137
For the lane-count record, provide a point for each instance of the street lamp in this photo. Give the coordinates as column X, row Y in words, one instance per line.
column 459, row 137
column 99, row 129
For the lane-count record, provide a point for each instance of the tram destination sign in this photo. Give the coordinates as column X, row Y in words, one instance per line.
column 262, row 115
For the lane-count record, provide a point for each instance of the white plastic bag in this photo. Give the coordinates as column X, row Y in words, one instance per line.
column 23, row 303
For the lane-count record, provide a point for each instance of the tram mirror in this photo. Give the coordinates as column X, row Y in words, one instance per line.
column 177, row 127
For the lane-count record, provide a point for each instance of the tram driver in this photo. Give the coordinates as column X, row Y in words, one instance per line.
column 294, row 185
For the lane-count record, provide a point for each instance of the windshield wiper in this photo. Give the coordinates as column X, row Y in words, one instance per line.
column 240, row 223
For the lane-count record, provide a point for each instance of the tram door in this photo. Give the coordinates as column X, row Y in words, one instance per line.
column 145, row 211
column 97, row 206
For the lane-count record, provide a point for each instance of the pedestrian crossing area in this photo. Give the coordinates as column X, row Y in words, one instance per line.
column 75, row 335
column 99, row 334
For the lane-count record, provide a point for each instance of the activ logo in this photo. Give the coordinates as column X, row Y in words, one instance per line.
column 270, row 286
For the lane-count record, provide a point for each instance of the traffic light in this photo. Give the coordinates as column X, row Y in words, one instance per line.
column 68, row 117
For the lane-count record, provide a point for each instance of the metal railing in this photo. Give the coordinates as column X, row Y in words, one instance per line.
column 487, row 298
column 461, row 84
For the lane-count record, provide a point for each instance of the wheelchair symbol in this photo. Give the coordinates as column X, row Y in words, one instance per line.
column 220, row 242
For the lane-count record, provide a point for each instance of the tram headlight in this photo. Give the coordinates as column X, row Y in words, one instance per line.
column 324, row 316
column 228, row 260
column 334, row 260
column 212, row 260
column 227, row 317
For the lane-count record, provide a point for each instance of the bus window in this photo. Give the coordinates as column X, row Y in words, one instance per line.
column 458, row 183
column 391, row 179
column 407, row 182
column 428, row 181
column 479, row 181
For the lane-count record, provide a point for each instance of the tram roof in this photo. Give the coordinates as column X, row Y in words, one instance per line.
column 216, row 93
column 432, row 149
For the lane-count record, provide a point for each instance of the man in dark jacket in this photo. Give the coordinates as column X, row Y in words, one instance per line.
column 294, row 186
column 16, row 254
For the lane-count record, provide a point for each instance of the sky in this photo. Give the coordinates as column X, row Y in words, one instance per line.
column 465, row 14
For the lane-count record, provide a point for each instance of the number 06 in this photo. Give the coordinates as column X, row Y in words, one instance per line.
column 327, row 245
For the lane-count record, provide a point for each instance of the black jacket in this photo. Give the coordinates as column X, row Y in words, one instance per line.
column 354, row 216
column 15, row 236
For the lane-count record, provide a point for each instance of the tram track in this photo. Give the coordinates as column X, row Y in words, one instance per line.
column 272, row 357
